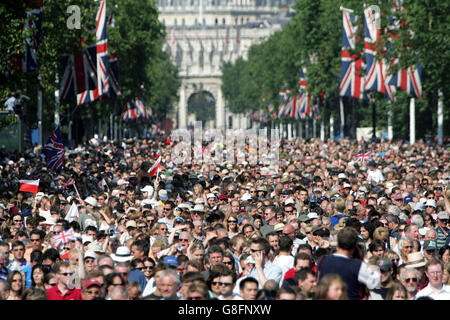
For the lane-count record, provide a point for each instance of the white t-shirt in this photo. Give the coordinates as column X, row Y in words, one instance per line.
column 284, row 262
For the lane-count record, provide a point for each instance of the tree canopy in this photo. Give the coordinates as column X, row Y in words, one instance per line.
column 316, row 30
column 136, row 37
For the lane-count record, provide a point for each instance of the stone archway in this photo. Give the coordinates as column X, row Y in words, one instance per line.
column 194, row 86
column 201, row 107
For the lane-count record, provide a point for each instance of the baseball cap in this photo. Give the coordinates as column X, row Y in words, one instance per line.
column 430, row 203
column 384, row 264
column 171, row 261
column 442, row 215
column 429, row 245
column 91, row 283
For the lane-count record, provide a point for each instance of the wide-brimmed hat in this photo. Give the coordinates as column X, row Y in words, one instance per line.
column 123, row 254
column 278, row 227
column 416, row 260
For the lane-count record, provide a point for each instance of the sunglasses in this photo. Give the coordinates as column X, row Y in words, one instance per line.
column 148, row 267
column 195, row 298
column 66, row 273
column 408, row 280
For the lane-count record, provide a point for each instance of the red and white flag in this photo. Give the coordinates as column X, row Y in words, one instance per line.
column 29, row 186
column 155, row 167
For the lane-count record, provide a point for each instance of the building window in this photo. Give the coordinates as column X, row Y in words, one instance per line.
column 216, row 21
column 223, row 21
column 183, row 22
column 196, row 21
column 175, row 22
column 204, row 21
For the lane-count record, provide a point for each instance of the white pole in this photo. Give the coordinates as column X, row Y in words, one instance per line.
column 306, row 129
column 331, row 126
column 322, row 130
column 412, row 120
column 39, row 110
column 341, row 109
column 289, row 128
column 390, row 128
column 56, row 100
column 314, row 128
column 300, row 129
column 440, row 117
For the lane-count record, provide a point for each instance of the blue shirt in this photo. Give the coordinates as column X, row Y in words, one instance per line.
column 25, row 267
column 271, row 271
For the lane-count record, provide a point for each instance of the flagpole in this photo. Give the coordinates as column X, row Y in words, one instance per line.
column 39, row 109
column 440, row 117
column 75, row 186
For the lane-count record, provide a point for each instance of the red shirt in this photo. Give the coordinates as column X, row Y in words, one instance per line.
column 55, row 294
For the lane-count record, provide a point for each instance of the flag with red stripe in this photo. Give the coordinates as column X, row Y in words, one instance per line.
column 29, row 186
column 152, row 171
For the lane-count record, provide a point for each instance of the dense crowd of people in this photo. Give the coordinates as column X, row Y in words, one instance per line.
column 324, row 226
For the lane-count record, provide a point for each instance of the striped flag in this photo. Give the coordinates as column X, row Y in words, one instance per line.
column 29, row 186
column 155, row 167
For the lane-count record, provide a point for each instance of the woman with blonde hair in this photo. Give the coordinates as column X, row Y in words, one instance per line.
column 197, row 253
column 381, row 234
column 106, row 218
column 331, row 287
column 198, row 191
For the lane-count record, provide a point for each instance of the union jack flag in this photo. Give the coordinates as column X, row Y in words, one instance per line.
column 376, row 70
column 69, row 182
column 130, row 112
column 305, row 105
column 284, row 96
column 79, row 76
column 352, row 80
column 143, row 112
column 303, row 80
column 54, row 150
column 102, row 50
column 89, row 75
column 64, row 237
column 363, row 156
column 113, row 71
